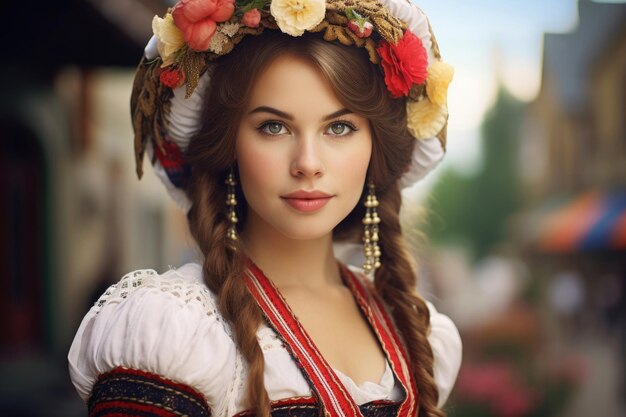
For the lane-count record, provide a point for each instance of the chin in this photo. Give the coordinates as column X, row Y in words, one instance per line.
column 304, row 230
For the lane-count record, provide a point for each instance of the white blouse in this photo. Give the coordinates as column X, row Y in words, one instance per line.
column 169, row 325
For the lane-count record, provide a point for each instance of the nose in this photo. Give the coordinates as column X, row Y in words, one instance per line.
column 307, row 159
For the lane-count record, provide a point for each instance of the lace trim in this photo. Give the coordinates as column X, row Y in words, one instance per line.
column 121, row 289
column 269, row 340
column 182, row 287
column 236, row 389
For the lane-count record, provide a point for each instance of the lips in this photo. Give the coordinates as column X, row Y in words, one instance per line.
column 307, row 201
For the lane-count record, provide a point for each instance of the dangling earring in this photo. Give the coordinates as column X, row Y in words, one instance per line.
column 231, row 203
column 371, row 220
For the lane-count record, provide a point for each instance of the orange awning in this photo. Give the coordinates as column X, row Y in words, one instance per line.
column 589, row 221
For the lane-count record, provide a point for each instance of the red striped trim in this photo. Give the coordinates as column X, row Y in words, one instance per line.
column 294, row 401
column 334, row 397
column 302, row 402
column 102, row 409
column 124, row 391
column 381, row 322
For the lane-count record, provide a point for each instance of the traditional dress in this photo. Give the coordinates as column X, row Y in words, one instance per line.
column 156, row 345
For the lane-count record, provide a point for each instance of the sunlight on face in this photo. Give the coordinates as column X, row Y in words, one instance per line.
column 302, row 156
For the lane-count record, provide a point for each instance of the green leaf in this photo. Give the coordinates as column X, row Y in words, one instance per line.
column 352, row 14
column 247, row 5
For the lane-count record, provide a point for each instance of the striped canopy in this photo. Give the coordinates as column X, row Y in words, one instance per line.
column 593, row 220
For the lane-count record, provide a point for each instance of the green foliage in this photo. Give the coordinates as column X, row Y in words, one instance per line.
column 475, row 209
column 247, row 5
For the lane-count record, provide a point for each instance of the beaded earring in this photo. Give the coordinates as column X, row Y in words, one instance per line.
column 371, row 221
column 231, row 203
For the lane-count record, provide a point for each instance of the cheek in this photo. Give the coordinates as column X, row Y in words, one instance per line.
column 355, row 164
column 352, row 168
column 258, row 167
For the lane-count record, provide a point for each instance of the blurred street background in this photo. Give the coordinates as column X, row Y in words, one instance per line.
column 520, row 234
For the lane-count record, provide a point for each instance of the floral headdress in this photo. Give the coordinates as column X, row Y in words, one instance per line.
column 173, row 75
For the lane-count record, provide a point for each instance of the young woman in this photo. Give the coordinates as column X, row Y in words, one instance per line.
column 283, row 127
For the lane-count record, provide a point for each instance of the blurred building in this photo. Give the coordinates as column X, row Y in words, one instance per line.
column 573, row 167
column 573, row 158
column 73, row 217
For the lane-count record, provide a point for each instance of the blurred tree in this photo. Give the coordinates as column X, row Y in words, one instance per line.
column 473, row 210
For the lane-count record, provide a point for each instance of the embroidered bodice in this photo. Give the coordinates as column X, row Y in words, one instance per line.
column 168, row 325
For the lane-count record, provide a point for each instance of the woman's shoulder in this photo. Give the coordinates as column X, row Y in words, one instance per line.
column 164, row 324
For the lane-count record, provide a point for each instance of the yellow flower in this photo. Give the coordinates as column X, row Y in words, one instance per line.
column 439, row 77
column 425, row 119
column 171, row 39
column 295, row 16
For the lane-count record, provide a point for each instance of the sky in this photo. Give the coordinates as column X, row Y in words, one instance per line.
column 487, row 41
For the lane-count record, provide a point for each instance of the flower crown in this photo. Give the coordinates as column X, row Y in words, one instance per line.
column 194, row 33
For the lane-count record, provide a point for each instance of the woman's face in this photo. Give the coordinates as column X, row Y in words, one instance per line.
column 302, row 155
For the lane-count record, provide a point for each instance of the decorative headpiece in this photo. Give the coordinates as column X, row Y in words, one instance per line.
column 172, row 78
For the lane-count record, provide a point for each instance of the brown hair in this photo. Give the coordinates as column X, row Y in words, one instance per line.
column 359, row 85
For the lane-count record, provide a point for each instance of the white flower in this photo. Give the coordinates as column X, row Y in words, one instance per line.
column 229, row 29
column 221, row 37
column 170, row 38
column 295, row 16
column 217, row 43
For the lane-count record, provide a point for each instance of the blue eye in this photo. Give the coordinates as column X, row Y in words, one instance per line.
column 273, row 128
column 340, row 129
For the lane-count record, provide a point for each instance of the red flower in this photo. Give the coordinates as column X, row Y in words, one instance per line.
column 197, row 19
column 404, row 64
column 172, row 77
column 169, row 155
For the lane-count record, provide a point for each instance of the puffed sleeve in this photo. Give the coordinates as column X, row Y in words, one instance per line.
column 153, row 338
column 447, row 349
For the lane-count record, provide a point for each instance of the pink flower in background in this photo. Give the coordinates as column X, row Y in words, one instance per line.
column 251, row 18
column 571, row 369
column 198, row 19
column 498, row 386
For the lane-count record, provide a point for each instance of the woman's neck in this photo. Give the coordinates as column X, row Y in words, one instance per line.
column 291, row 263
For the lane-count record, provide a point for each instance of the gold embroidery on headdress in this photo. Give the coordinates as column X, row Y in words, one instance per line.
column 146, row 90
column 192, row 64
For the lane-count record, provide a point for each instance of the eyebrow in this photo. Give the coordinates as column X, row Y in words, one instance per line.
column 279, row 113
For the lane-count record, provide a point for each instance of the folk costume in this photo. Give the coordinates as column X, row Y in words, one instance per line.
column 156, row 344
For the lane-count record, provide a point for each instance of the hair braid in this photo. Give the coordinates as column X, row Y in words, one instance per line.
column 395, row 281
column 223, row 273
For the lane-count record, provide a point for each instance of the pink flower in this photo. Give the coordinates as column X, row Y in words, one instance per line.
column 357, row 23
column 404, row 64
column 172, row 77
column 361, row 29
column 251, row 18
column 197, row 19
column 497, row 386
